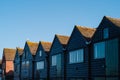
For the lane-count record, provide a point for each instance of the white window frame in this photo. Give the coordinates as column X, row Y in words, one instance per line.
column 74, row 56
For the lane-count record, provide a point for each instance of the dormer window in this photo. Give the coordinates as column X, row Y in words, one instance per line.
column 40, row 53
column 105, row 33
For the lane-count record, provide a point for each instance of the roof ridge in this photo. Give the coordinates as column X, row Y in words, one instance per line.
column 108, row 17
column 86, row 31
column 18, row 48
column 9, row 53
column 84, row 27
column 32, row 46
column 46, row 45
column 115, row 21
column 31, row 42
column 9, row 48
column 63, row 39
column 61, row 35
column 45, row 42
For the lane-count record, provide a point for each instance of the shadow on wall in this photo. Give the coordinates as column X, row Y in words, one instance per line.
column 9, row 75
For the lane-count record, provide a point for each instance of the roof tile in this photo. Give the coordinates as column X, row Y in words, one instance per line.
column 9, row 53
column 86, row 32
column 115, row 21
column 20, row 51
column 63, row 39
column 46, row 45
column 33, row 47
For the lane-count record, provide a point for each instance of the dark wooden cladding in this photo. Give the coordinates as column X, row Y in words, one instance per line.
column 88, row 54
column 78, row 41
column 58, row 49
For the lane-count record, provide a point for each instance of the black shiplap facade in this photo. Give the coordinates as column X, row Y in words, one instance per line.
column 58, row 52
column 44, row 47
column 79, row 39
column 17, row 64
column 58, row 48
column 27, row 69
column 100, row 66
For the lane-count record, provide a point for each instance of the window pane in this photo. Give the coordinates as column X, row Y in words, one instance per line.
column 105, row 32
column 99, row 50
column 27, row 64
column 80, row 55
column 71, row 59
column 54, row 60
column 40, row 65
column 76, row 56
column 40, row 53
column 23, row 65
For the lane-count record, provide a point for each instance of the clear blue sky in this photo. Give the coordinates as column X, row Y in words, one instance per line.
column 41, row 19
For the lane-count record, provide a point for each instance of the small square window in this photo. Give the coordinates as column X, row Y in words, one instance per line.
column 40, row 53
column 106, row 33
column 40, row 65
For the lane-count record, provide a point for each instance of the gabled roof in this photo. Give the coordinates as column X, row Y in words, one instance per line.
column 19, row 50
column 63, row 39
column 46, row 45
column 86, row 31
column 9, row 54
column 115, row 21
column 33, row 47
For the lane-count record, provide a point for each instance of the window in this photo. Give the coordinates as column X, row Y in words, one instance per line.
column 23, row 64
column 106, row 33
column 40, row 65
column 27, row 63
column 54, row 60
column 99, row 50
column 40, row 53
column 76, row 56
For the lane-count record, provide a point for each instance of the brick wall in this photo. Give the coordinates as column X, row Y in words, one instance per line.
column 9, row 67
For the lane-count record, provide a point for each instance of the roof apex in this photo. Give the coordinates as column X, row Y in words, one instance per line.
column 32, row 46
column 87, row 32
column 115, row 21
column 46, row 45
column 62, row 38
